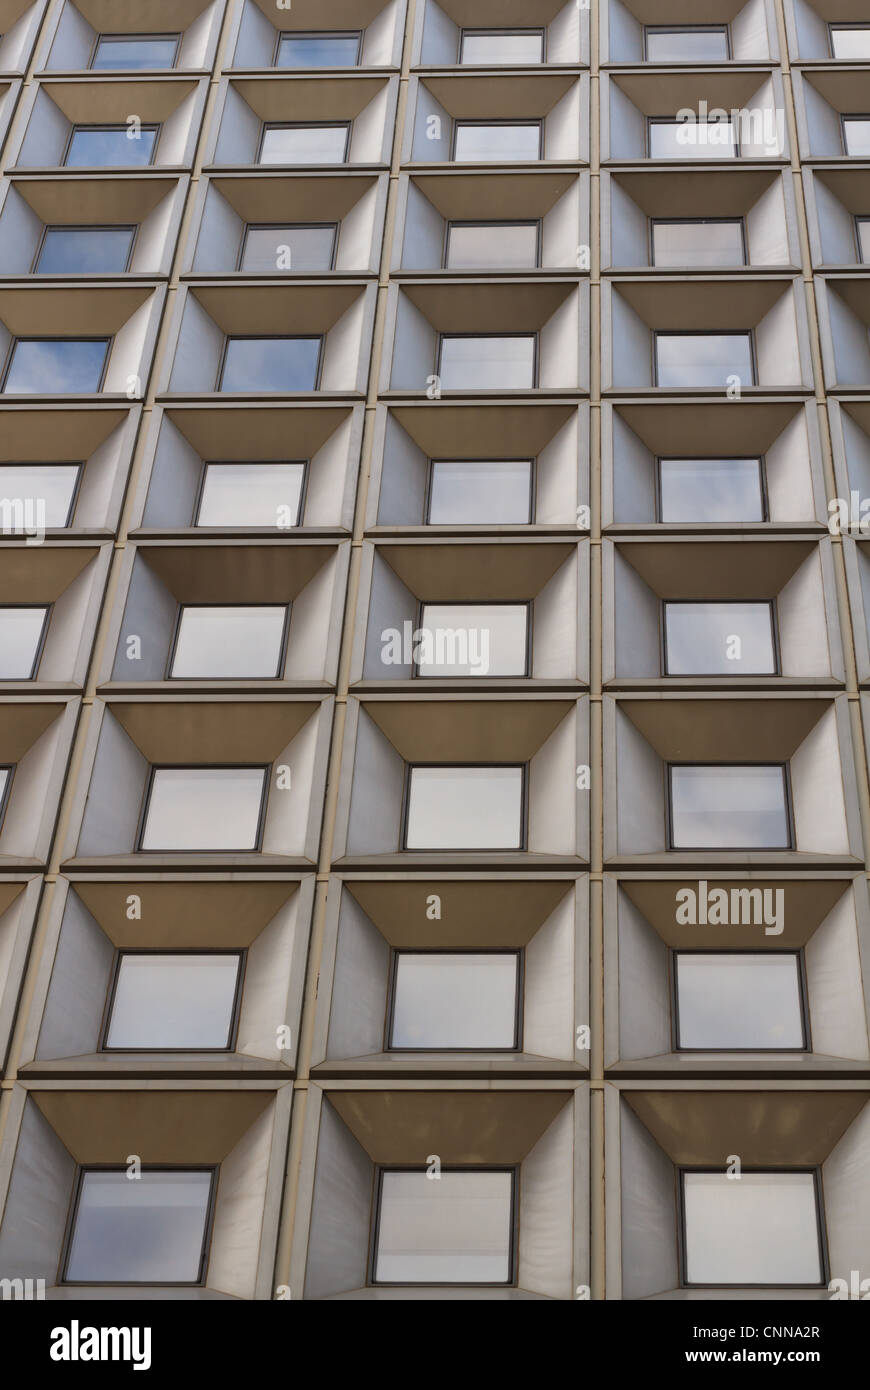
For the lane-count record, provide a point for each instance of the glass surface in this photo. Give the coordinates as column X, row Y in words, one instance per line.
column 482, row 492
column 229, row 643
column 268, row 249
column 712, row 639
column 110, row 147
column 84, row 250
column 760, row 1228
column 856, row 136
column 39, row 491
column 490, row 50
column 732, row 1000
column 317, row 51
column 710, row 490
column 852, row 43
column 692, row 140
column 863, row 227
column 270, row 364
column 132, row 52
column 704, row 44
column 456, row 1229
column 703, row 360
column 173, row 1001
column 147, row 1230
column 481, row 143
column 204, row 808
column 489, row 363
column 56, row 366
column 4, row 785
column 251, row 494
column 309, row 144
column 697, row 242
column 496, row 246
column 729, row 807
column 465, row 808
column 20, row 637
column 473, row 639
column 455, row 1000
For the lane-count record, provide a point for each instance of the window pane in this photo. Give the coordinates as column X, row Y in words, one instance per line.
column 270, row 364
column 488, row 364
column 36, row 494
column 719, row 639
column 318, row 51
column 5, row 774
column 698, row 242
column 132, row 53
column 268, row 249
column 461, row 1000
column 864, row 239
column 710, row 490
column 850, row 42
column 20, row 638
column 251, row 494
column 856, row 134
column 110, row 147
column 147, row 1231
column 169, row 1001
column 739, row 1000
column 56, row 366
column 465, row 808
column 760, row 1229
column 703, row 360
column 204, row 808
column 480, row 143
column 456, row 1230
column 707, row 44
column 483, row 492
column 692, row 140
column 489, row 49
column 310, row 144
column 729, row 807
column 472, row 639
column 84, row 250
column 234, row 643
column 497, row 246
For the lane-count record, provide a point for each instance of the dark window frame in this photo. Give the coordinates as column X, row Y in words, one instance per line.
column 508, row 124
column 155, row 126
column 108, row 339
column 654, row 222
column 282, row 648
column 729, row 849
column 121, row 952
column 861, row 220
column 528, row 604
column 803, row 999
column 770, row 604
column 245, row 463
column 392, row 990
column 852, row 116
column 6, row 789
column 51, row 463
column 702, row 333
column 672, row 120
column 833, row 27
column 132, row 38
column 533, row 488
column 513, row 32
column 358, row 34
column 522, row 848
column 319, row 338
column 738, row 458
column 535, row 335
column 536, row 222
column 287, row 226
column 687, row 29
column 266, row 126
column 47, row 609
column 153, row 768
column 133, row 228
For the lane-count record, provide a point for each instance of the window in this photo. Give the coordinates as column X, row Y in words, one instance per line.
column 763, row 1229
column 275, row 247
column 251, row 494
column 720, row 639
column 702, row 43
column 458, row 1230
column 305, row 144
column 5, row 784
column 465, row 808
column 270, row 364
column 739, row 1000
column 132, row 52
column 22, row 631
column 204, row 808
column 492, row 245
column 85, row 250
column 856, row 136
column 472, row 639
column 56, row 366
column 495, row 362
column 462, row 1000
column 862, row 228
column 728, row 806
column 851, row 41
column 673, row 139
column 238, row 642
column 173, row 1000
column 478, row 142
column 41, row 493
column 703, row 361
column 711, row 490
column 111, row 146
column 698, row 241
column 318, row 50
column 480, row 492
column 152, row 1231
column 494, row 47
